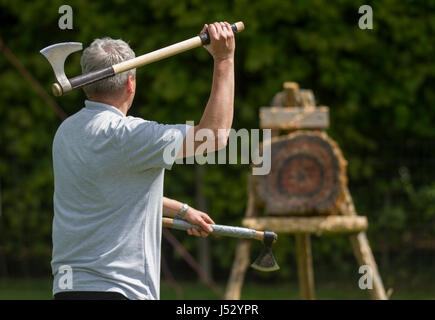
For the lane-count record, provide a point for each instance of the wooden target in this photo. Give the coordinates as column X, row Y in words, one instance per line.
column 307, row 175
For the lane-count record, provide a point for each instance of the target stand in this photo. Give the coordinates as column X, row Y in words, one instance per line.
column 305, row 192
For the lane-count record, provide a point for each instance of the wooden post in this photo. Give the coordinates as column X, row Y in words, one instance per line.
column 305, row 266
column 364, row 256
column 363, row 252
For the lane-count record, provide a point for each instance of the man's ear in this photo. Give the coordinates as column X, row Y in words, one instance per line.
column 130, row 84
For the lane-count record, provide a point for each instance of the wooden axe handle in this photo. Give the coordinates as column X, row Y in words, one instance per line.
column 91, row 77
column 228, row 231
column 202, row 39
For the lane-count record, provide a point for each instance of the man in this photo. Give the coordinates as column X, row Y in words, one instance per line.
column 108, row 177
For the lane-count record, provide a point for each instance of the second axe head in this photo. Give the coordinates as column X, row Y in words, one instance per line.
column 266, row 261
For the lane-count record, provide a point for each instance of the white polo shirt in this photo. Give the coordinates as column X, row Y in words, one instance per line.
column 108, row 190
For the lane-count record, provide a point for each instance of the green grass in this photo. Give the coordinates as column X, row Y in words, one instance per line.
column 40, row 289
column 25, row 289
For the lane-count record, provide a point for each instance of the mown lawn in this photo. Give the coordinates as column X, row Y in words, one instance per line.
column 40, row 289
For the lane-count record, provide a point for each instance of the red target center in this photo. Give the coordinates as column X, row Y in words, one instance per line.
column 301, row 177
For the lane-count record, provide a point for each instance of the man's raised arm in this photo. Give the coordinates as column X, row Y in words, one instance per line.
column 217, row 118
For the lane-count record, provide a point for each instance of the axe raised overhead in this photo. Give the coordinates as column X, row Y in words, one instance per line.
column 57, row 53
column 265, row 261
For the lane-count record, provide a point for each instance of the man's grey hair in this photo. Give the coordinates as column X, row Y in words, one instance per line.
column 103, row 53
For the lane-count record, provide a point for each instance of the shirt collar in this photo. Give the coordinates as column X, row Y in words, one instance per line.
column 93, row 105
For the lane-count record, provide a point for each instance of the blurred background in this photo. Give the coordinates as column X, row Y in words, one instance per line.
column 379, row 85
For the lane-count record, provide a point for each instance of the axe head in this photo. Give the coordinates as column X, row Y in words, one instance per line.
column 56, row 54
column 266, row 261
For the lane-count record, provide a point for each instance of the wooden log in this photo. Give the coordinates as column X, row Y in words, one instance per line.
column 348, row 207
column 278, row 100
column 307, row 98
column 305, row 266
column 292, row 118
column 288, row 97
column 313, row 225
column 308, row 173
column 291, row 96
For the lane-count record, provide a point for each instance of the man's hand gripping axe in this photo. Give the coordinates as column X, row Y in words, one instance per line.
column 265, row 261
column 57, row 53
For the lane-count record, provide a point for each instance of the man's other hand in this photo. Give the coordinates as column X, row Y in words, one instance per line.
column 200, row 219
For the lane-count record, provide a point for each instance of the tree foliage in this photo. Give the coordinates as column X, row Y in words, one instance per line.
column 379, row 85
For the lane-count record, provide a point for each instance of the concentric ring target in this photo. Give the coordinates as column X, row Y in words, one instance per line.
column 307, row 175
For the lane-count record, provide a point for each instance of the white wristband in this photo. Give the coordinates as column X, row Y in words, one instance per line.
column 182, row 212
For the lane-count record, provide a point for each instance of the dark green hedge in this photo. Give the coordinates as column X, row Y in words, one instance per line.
column 379, row 85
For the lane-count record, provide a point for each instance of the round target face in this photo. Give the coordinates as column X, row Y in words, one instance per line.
column 306, row 177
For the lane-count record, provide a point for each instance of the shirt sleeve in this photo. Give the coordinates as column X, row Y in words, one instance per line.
column 148, row 144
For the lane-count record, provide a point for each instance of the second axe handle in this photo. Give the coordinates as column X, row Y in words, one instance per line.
column 227, row 231
column 91, row 77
